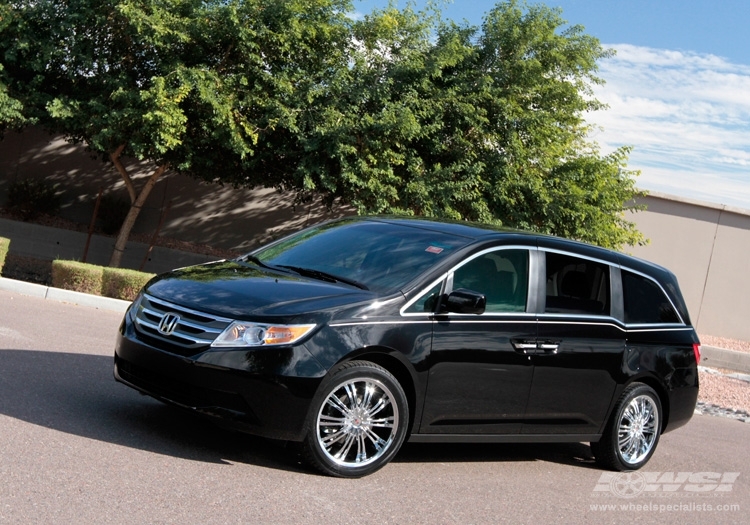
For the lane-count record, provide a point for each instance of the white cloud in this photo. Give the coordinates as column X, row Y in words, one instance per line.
column 687, row 115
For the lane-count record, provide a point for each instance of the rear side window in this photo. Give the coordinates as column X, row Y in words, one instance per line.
column 576, row 286
column 645, row 301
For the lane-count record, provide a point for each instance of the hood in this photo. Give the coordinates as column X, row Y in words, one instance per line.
column 232, row 289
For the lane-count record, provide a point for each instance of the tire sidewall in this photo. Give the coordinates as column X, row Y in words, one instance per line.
column 351, row 371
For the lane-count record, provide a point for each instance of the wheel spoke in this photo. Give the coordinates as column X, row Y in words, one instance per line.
column 337, row 404
column 386, row 422
column 377, row 441
column 361, row 450
column 330, row 421
column 382, row 403
column 351, row 391
column 344, row 451
column 329, row 440
column 369, row 391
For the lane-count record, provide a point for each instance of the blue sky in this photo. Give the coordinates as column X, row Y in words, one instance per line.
column 678, row 88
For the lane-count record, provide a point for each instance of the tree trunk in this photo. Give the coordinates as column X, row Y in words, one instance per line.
column 136, row 204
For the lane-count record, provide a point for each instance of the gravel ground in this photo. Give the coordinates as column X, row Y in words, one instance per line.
column 724, row 342
column 721, row 394
column 717, row 389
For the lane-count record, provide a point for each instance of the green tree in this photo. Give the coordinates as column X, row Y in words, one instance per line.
column 183, row 85
column 11, row 109
column 478, row 124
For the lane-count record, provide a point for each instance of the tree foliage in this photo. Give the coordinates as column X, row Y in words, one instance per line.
column 484, row 124
column 397, row 112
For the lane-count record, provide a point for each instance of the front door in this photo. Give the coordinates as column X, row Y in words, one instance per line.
column 479, row 371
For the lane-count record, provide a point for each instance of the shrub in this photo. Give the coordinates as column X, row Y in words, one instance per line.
column 30, row 198
column 77, row 276
column 125, row 284
column 4, row 245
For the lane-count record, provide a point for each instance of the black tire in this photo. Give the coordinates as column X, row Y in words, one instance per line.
column 357, row 421
column 632, row 432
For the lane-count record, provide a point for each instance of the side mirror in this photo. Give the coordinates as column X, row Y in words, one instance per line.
column 463, row 301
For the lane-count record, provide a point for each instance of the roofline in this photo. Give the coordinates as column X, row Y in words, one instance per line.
column 696, row 202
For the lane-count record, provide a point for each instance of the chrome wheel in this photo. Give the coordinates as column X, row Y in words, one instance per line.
column 637, row 429
column 358, row 420
column 357, row 423
column 632, row 432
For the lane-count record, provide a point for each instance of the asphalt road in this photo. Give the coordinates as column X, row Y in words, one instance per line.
column 76, row 447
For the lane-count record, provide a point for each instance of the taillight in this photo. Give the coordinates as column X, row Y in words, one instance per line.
column 697, row 352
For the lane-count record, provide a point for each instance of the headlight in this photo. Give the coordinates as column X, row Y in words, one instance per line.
column 133, row 309
column 240, row 333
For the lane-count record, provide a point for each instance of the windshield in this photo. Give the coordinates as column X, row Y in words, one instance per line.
column 382, row 256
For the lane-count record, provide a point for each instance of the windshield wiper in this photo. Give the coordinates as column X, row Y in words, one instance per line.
column 253, row 259
column 324, row 276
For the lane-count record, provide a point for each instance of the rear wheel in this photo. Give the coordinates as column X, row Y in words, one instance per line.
column 632, row 433
column 358, row 421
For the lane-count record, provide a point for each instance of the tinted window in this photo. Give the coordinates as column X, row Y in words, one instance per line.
column 379, row 255
column 502, row 276
column 427, row 302
column 645, row 302
column 576, row 286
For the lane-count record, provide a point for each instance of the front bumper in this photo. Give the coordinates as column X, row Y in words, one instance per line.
column 265, row 392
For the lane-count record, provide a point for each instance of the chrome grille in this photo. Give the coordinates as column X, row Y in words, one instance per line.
column 189, row 330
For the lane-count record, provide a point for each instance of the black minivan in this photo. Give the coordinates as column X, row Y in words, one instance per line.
column 355, row 335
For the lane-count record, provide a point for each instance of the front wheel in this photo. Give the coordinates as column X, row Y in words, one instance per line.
column 632, row 433
column 358, row 421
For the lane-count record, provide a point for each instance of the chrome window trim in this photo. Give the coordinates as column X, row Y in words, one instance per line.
column 576, row 317
column 574, row 254
column 485, row 314
column 622, row 327
column 660, row 328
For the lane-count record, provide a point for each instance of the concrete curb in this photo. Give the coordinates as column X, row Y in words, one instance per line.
column 714, row 357
column 66, row 296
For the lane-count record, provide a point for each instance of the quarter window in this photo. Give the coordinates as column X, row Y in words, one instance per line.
column 645, row 302
column 502, row 276
column 576, row 286
column 428, row 302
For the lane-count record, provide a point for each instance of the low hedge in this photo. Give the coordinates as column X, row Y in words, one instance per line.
column 4, row 245
column 118, row 283
column 77, row 276
column 123, row 284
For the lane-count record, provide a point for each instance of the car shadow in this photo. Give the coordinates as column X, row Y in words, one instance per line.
column 77, row 394
column 573, row 454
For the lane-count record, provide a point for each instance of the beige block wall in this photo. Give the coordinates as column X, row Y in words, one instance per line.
column 707, row 246
column 221, row 216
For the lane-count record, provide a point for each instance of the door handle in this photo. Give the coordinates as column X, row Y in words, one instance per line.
column 536, row 347
column 548, row 347
column 525, row 347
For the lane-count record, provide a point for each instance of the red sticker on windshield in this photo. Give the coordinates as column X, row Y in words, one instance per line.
column 434, row 249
